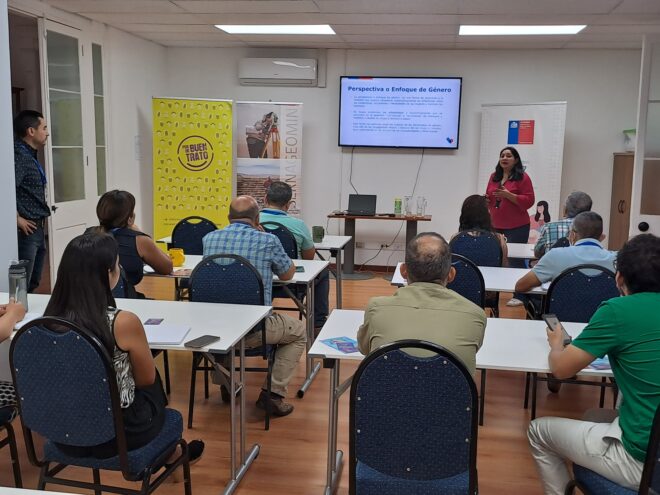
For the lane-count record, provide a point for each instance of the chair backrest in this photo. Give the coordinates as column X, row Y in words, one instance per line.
column 285, row 236
column 650, row 482
column 412, row 420
column 189, row 232
column 66, row 381
column 479, row 246
column 577, row 292
column 561, row 242
column 124, row 289
column 226, row 278
column 468, row 282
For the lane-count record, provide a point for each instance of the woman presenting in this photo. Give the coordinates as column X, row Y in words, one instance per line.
column 510, row 194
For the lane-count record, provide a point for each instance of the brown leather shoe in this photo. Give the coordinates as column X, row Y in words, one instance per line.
column 277, row 405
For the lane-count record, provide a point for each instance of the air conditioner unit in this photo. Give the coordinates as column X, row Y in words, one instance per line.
column 277, row 72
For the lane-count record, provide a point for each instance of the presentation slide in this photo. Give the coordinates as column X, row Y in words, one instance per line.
column 394, row 112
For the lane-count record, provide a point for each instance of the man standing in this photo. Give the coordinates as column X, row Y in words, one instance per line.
column 31, row 133
column 425, row 309
column 627, row 330
column 277, row 202
column 576, row 203
column 244, row 237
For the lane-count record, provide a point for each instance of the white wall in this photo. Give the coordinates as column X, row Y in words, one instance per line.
column 600, row 87
column 8, row 248
column 133, row 72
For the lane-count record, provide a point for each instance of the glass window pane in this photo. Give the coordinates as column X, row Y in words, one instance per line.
column 97, row 63
column 65, row 119
column 63, row 65
column 101, row 185
column 68, row 174
column 99, row 117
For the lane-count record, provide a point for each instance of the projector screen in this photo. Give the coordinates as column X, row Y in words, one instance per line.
column 399, row 112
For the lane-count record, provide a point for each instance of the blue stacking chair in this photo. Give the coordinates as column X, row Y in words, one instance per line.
column 188, row 235
column 7, row 415
column 591, row 483
column 229, row 279
column 413, row 423
column 290, row 246
column 68, row 394
column 469, row 282
column 483, row 249
column 577, row 292
column 574, row 295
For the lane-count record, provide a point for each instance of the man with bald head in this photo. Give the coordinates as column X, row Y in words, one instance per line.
column 244, row 237
column 426, row 309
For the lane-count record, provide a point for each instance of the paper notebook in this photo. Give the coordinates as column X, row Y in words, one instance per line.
column 165, row 334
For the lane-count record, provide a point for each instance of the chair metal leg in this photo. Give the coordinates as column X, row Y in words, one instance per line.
column 206, row 377
column 96, row 476
column 13, row 452
column 193, row 375
column 42, row 477
column 527, row 377
column 534, row 385
column 187, row 483
column 269, row 383
column 482, row 397
column 166, row 369
column 601, row 402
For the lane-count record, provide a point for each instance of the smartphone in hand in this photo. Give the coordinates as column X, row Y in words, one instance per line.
column 554, row 324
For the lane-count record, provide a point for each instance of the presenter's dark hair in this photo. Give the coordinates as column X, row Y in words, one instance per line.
column 115, row 208
column 638, row 262
column 24, row 120
column 428, row 262
column 475, row 214
column 517, row 171
column 82, row 293
column 279, row 193
column 546, row 213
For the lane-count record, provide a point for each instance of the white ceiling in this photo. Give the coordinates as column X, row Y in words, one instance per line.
column 376, row 24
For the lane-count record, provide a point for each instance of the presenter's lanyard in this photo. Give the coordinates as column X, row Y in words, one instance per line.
column 589, row 243
column 41, row 169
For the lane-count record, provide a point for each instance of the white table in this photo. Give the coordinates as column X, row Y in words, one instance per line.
column 519, row 250
column 230, row 322
column 5, row 490
column 514, row 345
column 335, row 244
column 496, row 278
column 313, row 268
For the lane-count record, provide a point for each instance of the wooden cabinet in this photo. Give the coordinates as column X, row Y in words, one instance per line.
column 621, row 194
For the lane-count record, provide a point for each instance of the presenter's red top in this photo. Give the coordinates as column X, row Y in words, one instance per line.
column 510, row 215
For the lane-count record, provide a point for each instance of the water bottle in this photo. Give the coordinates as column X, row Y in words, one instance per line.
column 18, row 281
column 397, row 206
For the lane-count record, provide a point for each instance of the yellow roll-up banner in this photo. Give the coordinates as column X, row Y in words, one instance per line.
column 192, row 161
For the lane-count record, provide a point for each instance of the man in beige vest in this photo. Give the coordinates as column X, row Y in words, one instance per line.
column 426, row 309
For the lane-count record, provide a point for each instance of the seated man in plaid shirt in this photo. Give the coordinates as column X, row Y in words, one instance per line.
column 245, row 237
column 576, row 203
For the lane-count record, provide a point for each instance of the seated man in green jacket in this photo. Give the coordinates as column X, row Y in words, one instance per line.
column 425, row 309
column 627, row 330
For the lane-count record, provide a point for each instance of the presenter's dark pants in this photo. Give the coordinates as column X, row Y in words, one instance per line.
column 321, row 294
column 32, row 247
column 517, row 235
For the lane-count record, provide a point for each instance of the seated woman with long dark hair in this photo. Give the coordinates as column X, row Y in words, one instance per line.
column 88, row 271
column 476, row 219
column 116, row 213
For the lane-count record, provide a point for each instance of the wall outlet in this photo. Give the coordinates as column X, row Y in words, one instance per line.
column 359, row 245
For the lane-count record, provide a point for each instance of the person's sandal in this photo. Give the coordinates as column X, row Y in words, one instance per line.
column 195, row 451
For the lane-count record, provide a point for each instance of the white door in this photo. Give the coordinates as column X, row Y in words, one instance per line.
column 72, row 148
column 645, row 208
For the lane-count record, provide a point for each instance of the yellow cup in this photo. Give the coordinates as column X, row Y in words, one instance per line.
column 177, row 256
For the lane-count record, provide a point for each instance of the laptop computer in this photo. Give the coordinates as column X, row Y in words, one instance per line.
column 361, row 204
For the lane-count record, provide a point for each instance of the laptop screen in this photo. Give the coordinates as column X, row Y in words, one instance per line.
column 362, row 204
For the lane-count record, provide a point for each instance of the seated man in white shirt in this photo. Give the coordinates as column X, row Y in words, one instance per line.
column 585, row 249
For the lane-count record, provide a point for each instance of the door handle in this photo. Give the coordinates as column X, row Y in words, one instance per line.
column 623, row 206
column 53, row 208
